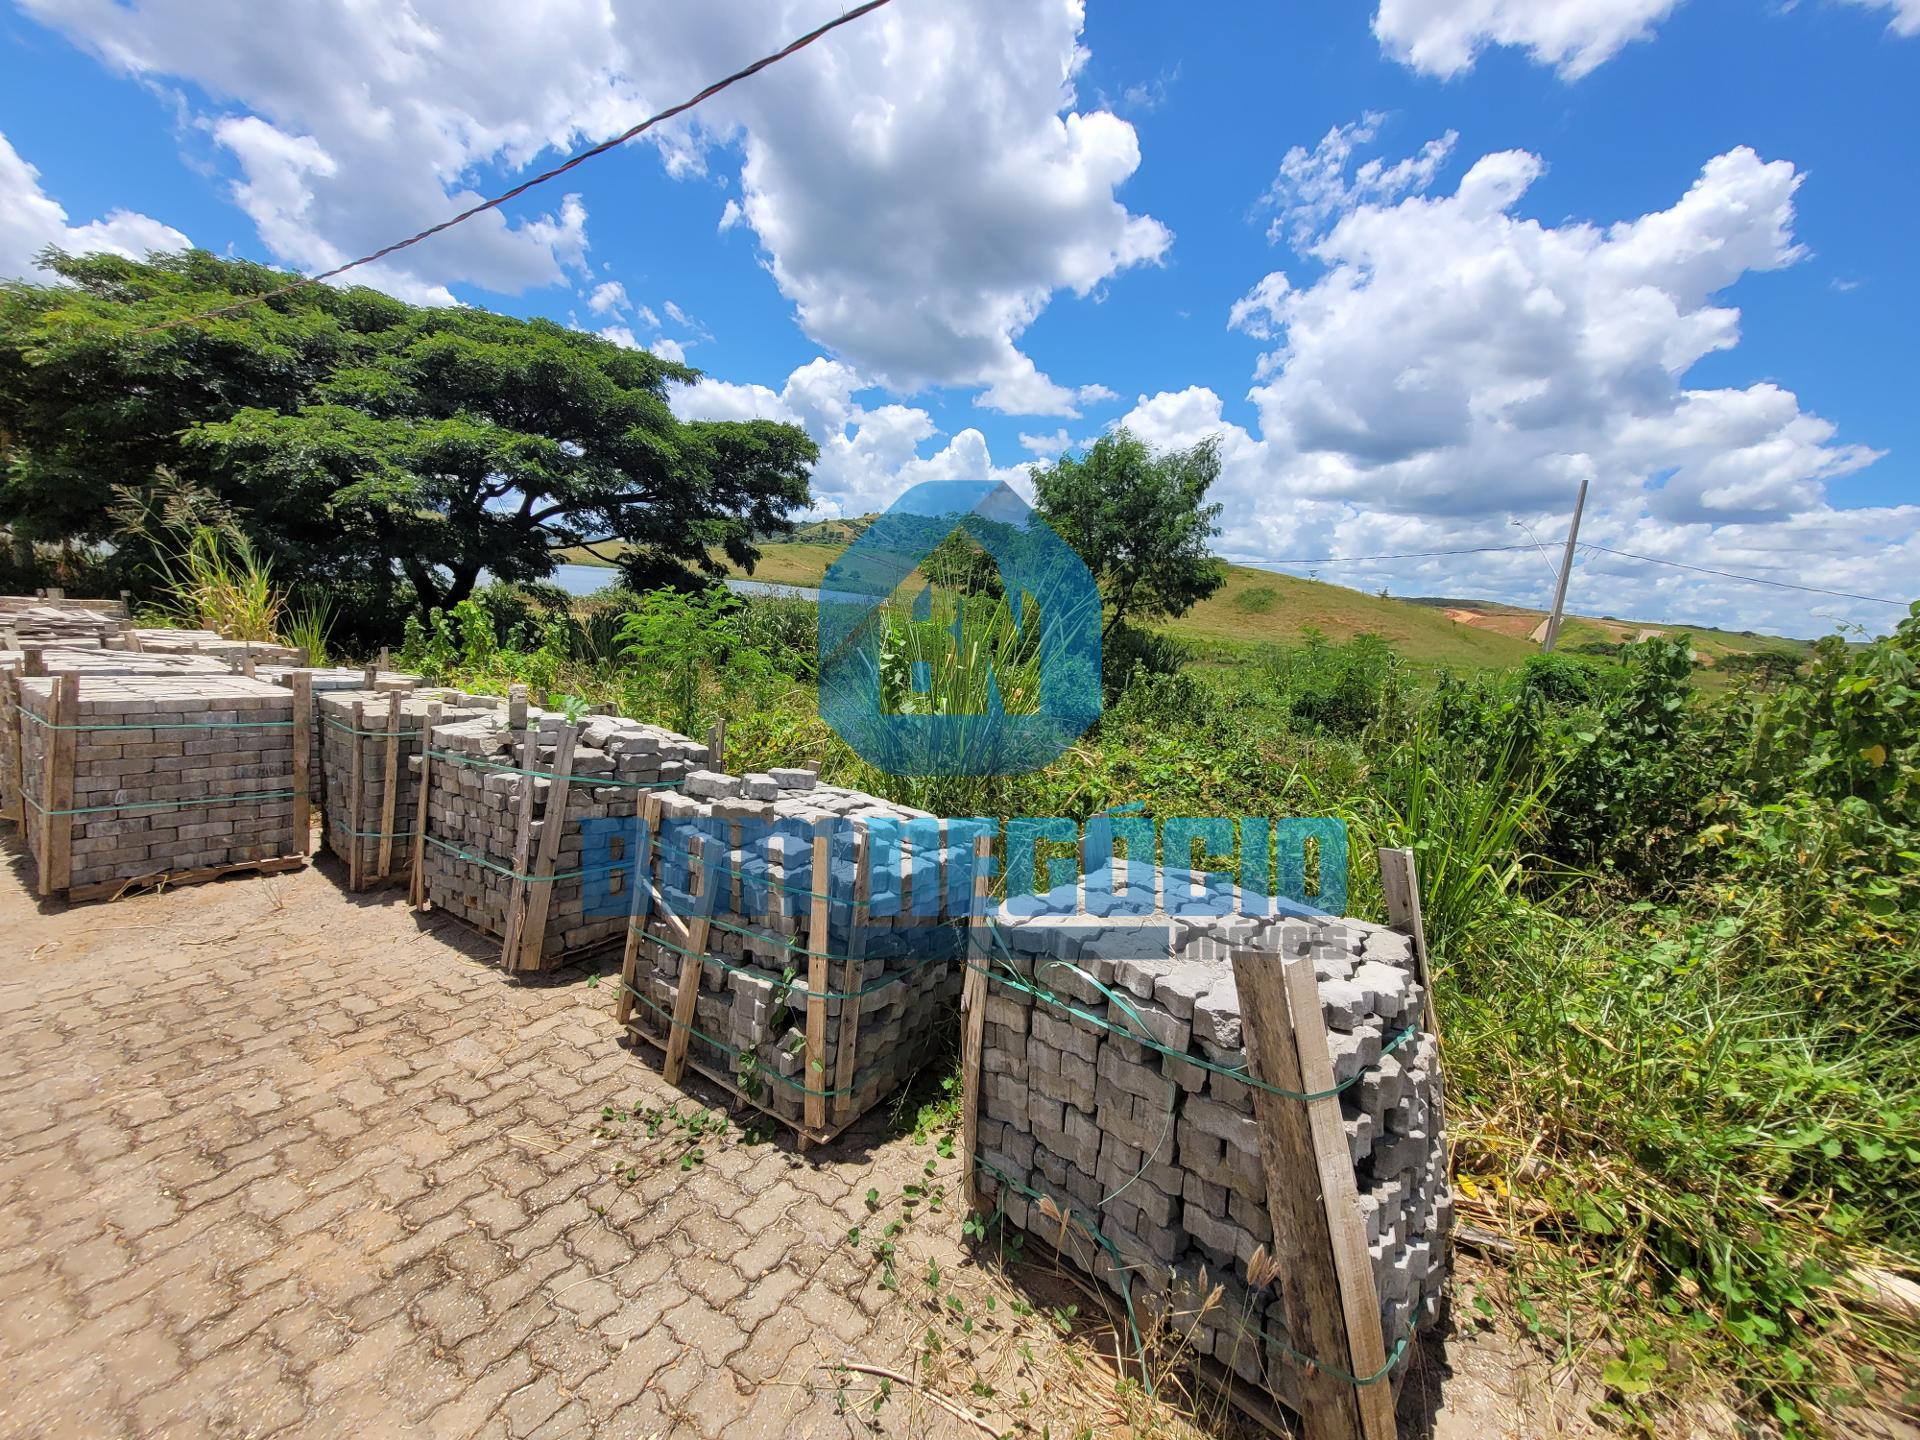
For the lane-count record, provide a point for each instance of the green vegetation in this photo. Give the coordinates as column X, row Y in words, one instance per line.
column 1139, row 520
column 1678, row 941
column 1677, row 931
column 387, row 452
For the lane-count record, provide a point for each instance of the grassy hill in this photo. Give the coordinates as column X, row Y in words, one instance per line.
column 1709, row 644
column 1263, row 607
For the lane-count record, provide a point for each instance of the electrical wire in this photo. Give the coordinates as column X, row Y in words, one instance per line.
column 1749, row 579
column 845, row 18
column 1604, row 549
column 1404, row 555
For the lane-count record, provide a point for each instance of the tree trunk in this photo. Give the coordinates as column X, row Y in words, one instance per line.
column 464, row 579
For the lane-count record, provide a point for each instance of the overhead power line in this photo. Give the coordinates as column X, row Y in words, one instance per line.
column 1403, row 555
column 542, row 178
column 1605, row 549
column 1747, row 579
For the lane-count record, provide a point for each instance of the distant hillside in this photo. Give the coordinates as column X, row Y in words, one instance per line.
column 1264, row 607
column 1709, row 644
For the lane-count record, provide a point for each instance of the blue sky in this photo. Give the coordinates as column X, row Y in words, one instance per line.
column 1665, row 246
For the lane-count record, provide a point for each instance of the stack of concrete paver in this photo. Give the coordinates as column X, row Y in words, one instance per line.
column 209, row 642
column 894, row 958
column 1137, row 1130
column 170, row 774
column 27, row 620
column 357, row 724
column 476, row 852
column 333, row 680
column 52, row 659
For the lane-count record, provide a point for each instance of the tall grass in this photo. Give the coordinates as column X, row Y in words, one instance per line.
column 215, row 579
column 1470, row 826
column 307, row 626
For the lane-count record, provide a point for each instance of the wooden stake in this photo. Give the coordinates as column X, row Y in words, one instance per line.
column 533, row 930
column 818, row 930
column 56, row 851
column 646, row 811
column 526, row 752
column 1327, row 1290
column 356, row 794
column 390, row 797
column 1400, row 883
column 852, row 976
column 302, row 685
column 417, row 884
column 973, row 1015
column 686, row 999
column 12, row 806
column 717, row 743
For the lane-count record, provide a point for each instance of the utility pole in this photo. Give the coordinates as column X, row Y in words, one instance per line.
column 1566, row 571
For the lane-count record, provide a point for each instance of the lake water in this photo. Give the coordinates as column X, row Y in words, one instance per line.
column 586, row 579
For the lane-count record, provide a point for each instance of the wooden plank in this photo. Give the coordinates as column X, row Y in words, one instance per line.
column 15, row 807
column 973, row 1016
column 56, row 855
column 646, row 813
column 687, row 998
column 846, row 1051
column 533, row 941
column 356, row 792
column 417, row 886
column 818, row 972
column 731, row 1085
column 717, row 743
column 1400, row 883
column 1327, row 1291
column 525, row 751
column 301, row 682
column 114, row 889
column 390, row 797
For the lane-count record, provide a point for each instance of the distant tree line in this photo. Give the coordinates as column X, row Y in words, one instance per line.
column 386, row 452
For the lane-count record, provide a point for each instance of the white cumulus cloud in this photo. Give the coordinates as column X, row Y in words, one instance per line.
column 1444, row 37
column 609, row 298
column 1905, row 20
column 31, row 220
column 1446, row 366
column 921, row 184
column 868, row 454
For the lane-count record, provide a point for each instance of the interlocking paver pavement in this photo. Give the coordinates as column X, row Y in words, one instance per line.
column 277, row 1160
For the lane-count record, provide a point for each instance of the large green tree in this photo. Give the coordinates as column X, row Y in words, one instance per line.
column 1140, row 520
column 358, row 438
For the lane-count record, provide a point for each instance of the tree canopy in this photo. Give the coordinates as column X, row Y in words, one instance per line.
column 1139, row 521
column 359, row 439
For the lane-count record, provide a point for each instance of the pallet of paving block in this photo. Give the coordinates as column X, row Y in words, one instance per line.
column 807, row 1135
column 169, row 879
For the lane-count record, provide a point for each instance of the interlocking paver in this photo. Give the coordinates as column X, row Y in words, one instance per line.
column 321, row 1170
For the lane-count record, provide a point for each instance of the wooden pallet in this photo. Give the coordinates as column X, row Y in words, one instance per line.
column 167, row 879
column 807, row 1136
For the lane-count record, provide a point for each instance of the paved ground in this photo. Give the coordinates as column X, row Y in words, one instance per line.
column 277, row 1160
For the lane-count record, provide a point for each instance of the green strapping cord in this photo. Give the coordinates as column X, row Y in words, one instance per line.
column 156, row 804
column 500, row 869
column 170, row 725
column 727, row 967
column 1393, row 1356
column 592, row 782
column 728, row 1050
